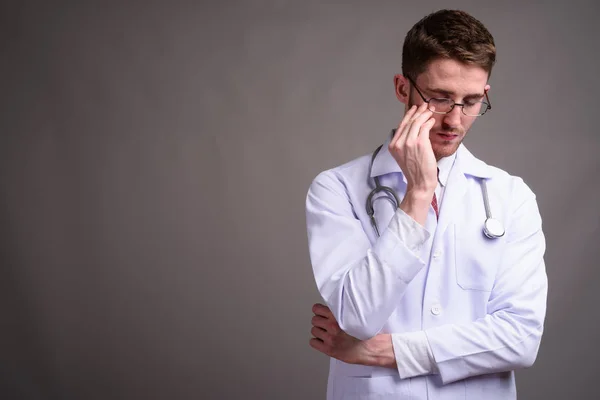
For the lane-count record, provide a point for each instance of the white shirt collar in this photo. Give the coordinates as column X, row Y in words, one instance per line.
column 444, row 167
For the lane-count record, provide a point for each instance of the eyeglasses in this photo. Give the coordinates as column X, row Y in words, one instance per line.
column 444, row 106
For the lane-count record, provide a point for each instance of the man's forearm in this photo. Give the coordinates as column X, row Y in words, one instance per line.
column 409, row 352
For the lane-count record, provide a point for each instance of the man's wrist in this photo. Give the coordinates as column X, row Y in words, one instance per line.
column 379, row 351
column 416, row 204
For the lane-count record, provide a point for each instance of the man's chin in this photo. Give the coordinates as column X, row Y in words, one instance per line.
column 441, row 150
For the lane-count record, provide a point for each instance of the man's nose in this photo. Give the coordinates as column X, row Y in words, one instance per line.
column 452, row 119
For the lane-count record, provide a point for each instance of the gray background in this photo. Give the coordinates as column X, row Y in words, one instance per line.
column 154, row 161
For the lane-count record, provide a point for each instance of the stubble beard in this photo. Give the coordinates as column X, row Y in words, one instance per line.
column 447, row 148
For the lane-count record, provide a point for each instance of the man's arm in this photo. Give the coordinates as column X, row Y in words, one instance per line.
column 360, row 283
column 507, row 338
column 381, row 351
column 331, row 340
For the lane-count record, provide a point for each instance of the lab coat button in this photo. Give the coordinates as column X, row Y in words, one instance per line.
column 437, row 253
column 436, row 309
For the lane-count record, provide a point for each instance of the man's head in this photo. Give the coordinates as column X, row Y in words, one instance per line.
column 447, row 55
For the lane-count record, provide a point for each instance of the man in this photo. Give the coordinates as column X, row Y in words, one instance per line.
column 442, row 294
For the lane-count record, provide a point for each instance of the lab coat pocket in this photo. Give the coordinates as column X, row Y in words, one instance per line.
column 477, row 258
column 372, row 388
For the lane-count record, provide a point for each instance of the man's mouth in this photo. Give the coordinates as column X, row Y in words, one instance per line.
column 447, row 135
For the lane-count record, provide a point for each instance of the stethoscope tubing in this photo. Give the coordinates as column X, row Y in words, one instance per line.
column 492, row 228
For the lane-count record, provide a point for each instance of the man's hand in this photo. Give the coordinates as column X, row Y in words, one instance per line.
column 329, row 339
column 411, row 148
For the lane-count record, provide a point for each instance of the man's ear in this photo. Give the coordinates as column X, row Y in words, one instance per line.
column 487, row 88
column 402, row 88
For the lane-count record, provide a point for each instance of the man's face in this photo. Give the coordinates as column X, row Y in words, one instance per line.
column 453, row 80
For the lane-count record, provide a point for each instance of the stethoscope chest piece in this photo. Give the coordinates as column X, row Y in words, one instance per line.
column 492, row 228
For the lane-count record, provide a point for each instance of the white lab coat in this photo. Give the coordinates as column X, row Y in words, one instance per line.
column 481, row 302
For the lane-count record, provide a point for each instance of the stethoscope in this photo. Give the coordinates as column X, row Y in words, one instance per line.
column 492, row 227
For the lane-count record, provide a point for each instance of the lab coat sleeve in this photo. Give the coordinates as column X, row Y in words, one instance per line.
column 509, row 336
column 361, row 284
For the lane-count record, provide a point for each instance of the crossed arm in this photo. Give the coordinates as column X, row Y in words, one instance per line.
column 506, row 338
column 329, row 339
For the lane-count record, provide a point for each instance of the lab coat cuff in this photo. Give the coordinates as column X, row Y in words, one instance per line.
column 413, row 354
column 400, row 246
column 451, row 361
column 409, row 231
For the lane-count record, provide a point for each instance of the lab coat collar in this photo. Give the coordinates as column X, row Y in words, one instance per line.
column 385, row 163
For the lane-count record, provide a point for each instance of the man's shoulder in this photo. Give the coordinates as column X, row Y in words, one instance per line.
column 345, row 172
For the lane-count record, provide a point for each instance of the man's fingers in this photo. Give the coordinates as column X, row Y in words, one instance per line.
column 411, row 111
column 321, row 334
column 425, row 128
column 407, row 124
column 400, row 135
column 407, row 116
column 416, row 125
column 320, row 322
column 330, row 325
column 322, row 310
column 318, row 344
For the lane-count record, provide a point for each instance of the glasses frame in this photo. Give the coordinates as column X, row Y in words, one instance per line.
column 454, row 104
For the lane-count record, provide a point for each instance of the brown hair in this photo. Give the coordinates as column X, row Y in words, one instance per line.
column 450, row 34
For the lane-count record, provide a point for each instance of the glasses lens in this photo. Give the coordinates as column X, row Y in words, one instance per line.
column 475, row 109
column 442, row 106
